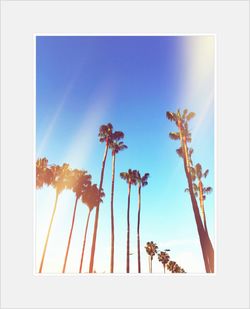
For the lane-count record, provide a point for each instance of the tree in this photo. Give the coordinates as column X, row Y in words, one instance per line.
column 173, row 267
column 60, row 181
column 91, row 197
column 130, row 178
column 184, row 135
column 164, row 257
column 80, row 180
column 142, row 181
column 44, row 175
column 106, row 135
column 115, row 146
column 151, row 249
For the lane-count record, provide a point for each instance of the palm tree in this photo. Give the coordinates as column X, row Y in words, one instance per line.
column 151, row 249
column 174, row 267
column 130, row 178
column 184, row 135
column 116, row 146
column 43, row 173
column 106, row 135
column 142, row 181
column 60, row 182
column 171, row 266
column 164, row 257
column 91, row 197
column 80, row 181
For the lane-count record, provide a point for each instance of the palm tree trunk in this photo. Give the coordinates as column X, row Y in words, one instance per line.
column 149, row 263
column 48, row 233
column 128, row 228
column 112, row 217
column 92, row 256
column 202, row 205
column 138, row 228
column 84, row 241
column 70, row 235
column 164, row 268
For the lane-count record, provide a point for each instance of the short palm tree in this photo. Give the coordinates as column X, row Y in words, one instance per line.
column 142, row 181
column 80, row 180
column 115, row 146
column 164, row 258
column 182, row 120
column 151, row 249
column 60, row 182
column 91, row 197
column 173, row 267
column 130, row 178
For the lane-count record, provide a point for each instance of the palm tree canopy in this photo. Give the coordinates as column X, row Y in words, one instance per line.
column 62, row 178
column 151, row 248
column 171, row 266
column 92, row 197
column 129, row 176
column 43, row 173
column 117, row 146
column 163, row 257
column 142, row 180
column 105, row 132
column 117, row 135
column 80, row 180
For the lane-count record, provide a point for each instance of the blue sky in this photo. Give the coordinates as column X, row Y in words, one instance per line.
column 83, row 82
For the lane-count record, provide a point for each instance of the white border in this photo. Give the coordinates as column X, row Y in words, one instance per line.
column 229, row 288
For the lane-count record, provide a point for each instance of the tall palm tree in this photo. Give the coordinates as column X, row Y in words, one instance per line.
column 60, row 182
column 115, row 146
column 105, row 136
column 184, row 135
column 80, row 180
column 142, row 181
column 130, row 178
column 91, row 197
column 151, row 249
column 164, row 257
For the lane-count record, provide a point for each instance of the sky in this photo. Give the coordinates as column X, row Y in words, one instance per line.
column 83, row 82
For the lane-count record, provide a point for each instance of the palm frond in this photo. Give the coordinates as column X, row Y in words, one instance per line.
column 179, row 152
column 190, row 116
column 207, row 190
column 174, row 135
column 171, row 116
column 206, row 173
